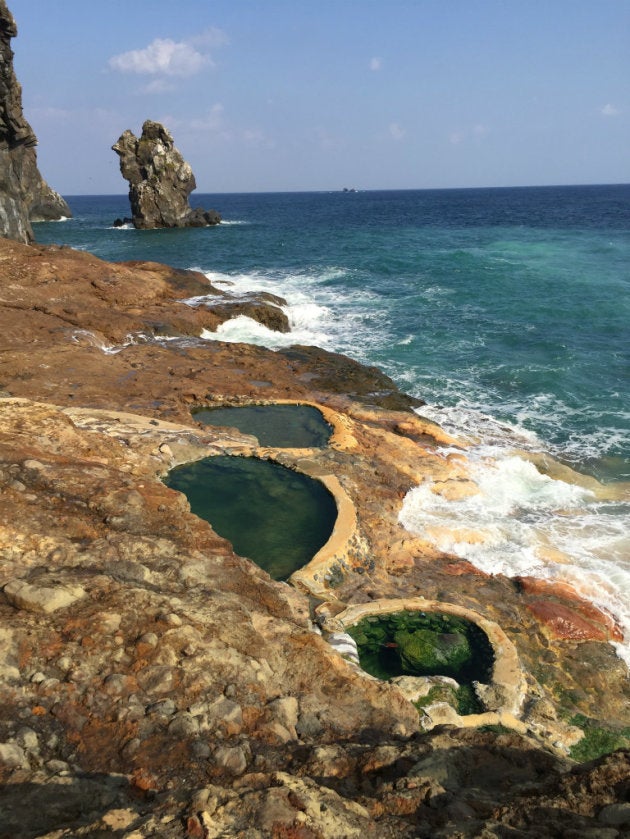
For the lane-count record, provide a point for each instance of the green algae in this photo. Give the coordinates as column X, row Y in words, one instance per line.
column 598, row 740
column 423, row 644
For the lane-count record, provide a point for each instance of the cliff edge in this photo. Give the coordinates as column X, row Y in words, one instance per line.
column 24, row 194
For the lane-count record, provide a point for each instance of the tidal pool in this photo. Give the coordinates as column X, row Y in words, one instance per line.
column 282, row 426
column 410, row 643
column 274, row 516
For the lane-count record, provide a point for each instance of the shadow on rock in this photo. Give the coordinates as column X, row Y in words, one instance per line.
column 28, row 810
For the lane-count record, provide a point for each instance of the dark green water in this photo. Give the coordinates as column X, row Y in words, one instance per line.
column 274, row 516
column 423, row 644
column 282, row 426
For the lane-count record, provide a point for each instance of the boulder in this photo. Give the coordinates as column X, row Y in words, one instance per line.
column 24, row 194
column 160, row 180
column 426, row 652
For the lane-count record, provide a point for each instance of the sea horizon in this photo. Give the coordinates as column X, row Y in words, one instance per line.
column 332, row 190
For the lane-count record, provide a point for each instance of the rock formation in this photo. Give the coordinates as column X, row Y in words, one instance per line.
column 160, row 180
column 24, row 195
column 153, row 683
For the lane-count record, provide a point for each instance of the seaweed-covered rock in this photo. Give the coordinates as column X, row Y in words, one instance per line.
column 425, row 651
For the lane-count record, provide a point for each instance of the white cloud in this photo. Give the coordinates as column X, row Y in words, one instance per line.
column 480, row 130
column 376, row 63
column 165, row 57
column 213, row 121
column 210, row 37
column 474, row 133
column 396, row 131
column 158, row 86
column 610, row 110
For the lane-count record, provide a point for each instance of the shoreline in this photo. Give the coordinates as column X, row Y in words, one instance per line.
column 118, row 600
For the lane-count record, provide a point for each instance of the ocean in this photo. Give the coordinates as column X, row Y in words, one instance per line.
column 506, row 310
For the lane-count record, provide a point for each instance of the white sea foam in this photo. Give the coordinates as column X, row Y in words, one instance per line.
column 85, row 337
column 531, row 524
column 303, row 319
column 318, row 314
column 524, row 523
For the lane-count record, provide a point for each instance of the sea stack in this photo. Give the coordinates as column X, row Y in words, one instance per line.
column 160, row 180
column 24, row 194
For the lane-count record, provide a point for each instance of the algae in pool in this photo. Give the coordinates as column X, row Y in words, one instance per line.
column 423, row 644
column 282, row 426
column 274, row 516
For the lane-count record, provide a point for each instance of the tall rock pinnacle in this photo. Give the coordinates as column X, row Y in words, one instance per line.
column 160, row 180
column 24, row 194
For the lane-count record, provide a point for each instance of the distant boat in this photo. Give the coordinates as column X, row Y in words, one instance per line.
column 351, row 189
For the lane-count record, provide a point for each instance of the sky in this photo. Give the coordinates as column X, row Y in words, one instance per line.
column 284, row 95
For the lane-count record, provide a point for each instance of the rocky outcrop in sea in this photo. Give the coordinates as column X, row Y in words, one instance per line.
column 24, row 194
column 160, row 180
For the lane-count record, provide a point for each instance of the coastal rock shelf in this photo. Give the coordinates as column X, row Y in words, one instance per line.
column 171, row 664
column 275, row 516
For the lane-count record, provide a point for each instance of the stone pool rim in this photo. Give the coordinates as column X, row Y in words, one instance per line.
column 508, row 677
column 340, row 437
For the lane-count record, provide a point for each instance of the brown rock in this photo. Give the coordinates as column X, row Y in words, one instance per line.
column 573, row 615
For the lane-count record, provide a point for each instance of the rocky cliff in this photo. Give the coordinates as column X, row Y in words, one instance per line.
column 160, row 180
column 24, row 195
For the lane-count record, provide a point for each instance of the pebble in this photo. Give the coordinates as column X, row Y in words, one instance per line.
column 615, row 814
column 13, row 756
column 231, row 758
column 183, row 725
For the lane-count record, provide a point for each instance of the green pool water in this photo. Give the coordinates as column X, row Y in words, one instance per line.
column 411, row 643
column 282, row 426
column 274, row 516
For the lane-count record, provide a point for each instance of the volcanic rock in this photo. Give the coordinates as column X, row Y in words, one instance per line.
column 160, row 180
column 24, row 194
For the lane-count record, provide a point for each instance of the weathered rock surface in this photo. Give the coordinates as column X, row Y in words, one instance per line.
column 24, row 195
column 160, row 180
column 153, row 683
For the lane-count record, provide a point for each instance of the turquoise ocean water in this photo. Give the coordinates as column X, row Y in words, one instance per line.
column 506, row 310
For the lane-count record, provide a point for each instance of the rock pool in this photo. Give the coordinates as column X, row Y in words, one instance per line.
column 275, row 516
column 282, row 426
column 410, row 643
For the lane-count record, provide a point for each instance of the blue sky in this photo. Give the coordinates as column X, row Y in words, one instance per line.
column 266, row 95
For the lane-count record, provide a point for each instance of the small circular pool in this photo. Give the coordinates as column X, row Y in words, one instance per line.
column 281, row 426
column 274, row 516
column 409, row 643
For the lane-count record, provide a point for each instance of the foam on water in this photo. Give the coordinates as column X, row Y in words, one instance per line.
column 524, row 523
column 318, row 314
